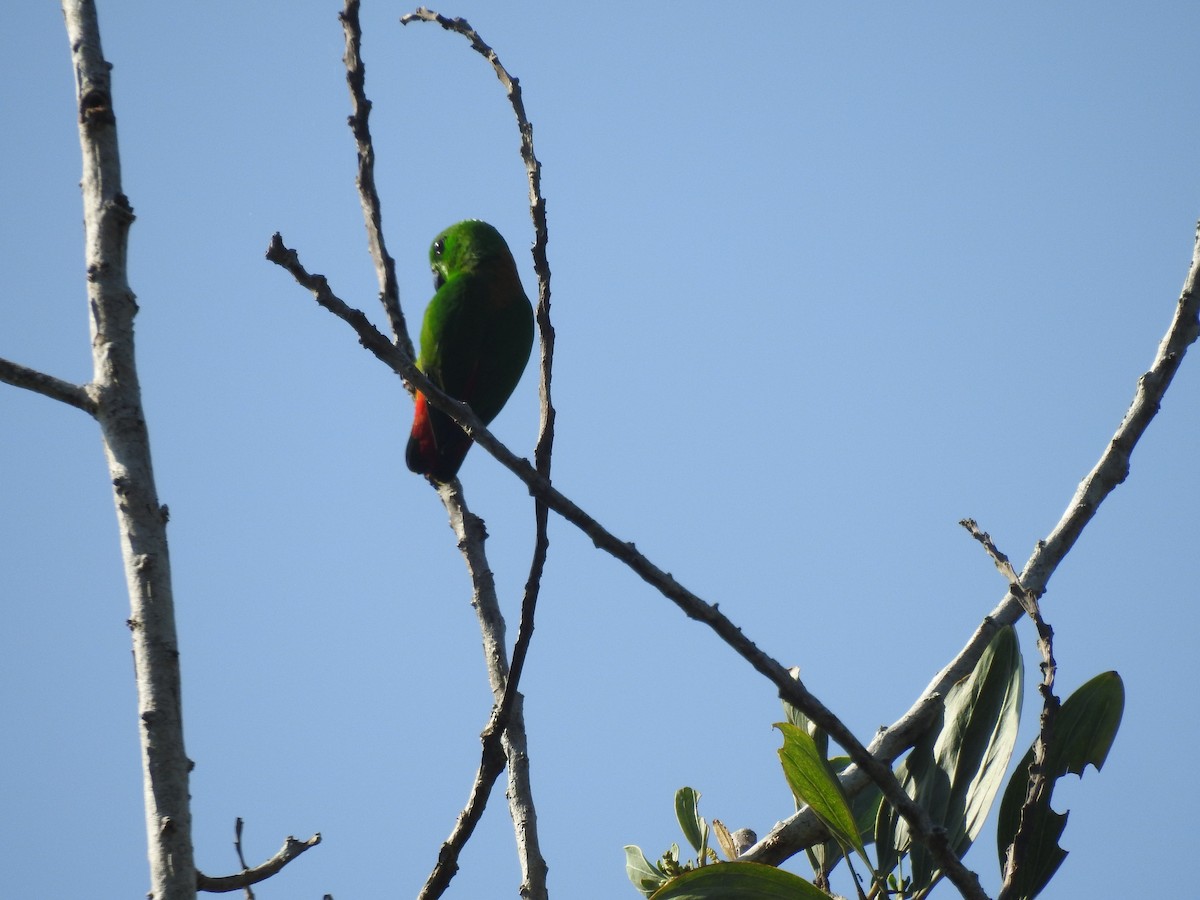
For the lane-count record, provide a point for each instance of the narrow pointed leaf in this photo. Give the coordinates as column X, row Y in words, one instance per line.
column 813, row 783
column 739, row 881
column 724, row 839
column 988, row 723
column 887, row 845
column 955, row 770
column 800, row 720
column 1084, row 731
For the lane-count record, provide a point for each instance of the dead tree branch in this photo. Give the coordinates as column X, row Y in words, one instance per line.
column 693, row 606
column 116, row 395
column 47, row 385
column 221, row 884
column 1039, row 785
column 506, row 728
column 802, row 829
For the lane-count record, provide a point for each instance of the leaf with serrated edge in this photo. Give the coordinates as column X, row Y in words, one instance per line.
column 1084, row 731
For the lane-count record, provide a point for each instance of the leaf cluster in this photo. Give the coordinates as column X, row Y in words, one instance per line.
column 953, row 773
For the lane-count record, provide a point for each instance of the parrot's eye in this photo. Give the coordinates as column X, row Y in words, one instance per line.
column 439, row 247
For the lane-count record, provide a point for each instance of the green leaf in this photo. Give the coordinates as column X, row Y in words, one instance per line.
column 1083, row 733
column 645, row 876
column 824, row 857
column 813, row 783
column 800, row 720
column 955, row 771
column 739, row 881
column 864, row 805
column 687, row 811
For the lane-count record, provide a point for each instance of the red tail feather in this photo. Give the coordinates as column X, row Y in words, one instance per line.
column 436, row 446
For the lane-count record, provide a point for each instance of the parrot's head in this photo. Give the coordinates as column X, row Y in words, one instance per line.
column 464, row 247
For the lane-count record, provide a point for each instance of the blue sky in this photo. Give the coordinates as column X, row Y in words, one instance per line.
column 827, row 279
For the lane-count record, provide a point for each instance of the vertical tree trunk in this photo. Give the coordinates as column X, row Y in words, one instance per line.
column 142, row 521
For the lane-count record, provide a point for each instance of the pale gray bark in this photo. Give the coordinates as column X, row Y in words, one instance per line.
column 142, row 521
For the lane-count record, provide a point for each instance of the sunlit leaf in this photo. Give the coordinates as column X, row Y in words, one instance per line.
column 645, row 876
column 812, row 782
column 687, row 811
column 739, row 881
column 800, row 720
column 824, row 857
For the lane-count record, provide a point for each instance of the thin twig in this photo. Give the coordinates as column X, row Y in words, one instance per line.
column 222, row 884
column 506, row 729
column 368, row 194
column 1039, row 783
column 499, row 744
column 492, row 765
column 498, row 731
column 237, row 846
column 1025, row 597
column 789, row 688
column 469, row 530
column 533, row 886
column 40, row 383
column 541, row 266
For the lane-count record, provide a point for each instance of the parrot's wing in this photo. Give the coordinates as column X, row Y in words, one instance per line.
column 452, row 338
column 452, row 335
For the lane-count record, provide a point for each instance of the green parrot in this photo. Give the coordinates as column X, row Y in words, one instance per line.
column 475, row 341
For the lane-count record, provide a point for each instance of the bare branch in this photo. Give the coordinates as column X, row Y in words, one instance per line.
column 1027, row 600
column 505, row 729
column 789, row 688
column 490, row 767
column 499, row 743
column 385, row 266
column 533, row 866
column 1039, row 784
column 537, row 204
column 541, row 265
column 222, row 884
column 802, row 829
column 40, row 383
column 237, row 846
column 118, row 408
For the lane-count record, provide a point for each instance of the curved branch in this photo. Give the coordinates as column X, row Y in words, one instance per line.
column 222, row 884
column 533, row 865
column 498, row 745
column 506, row 729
